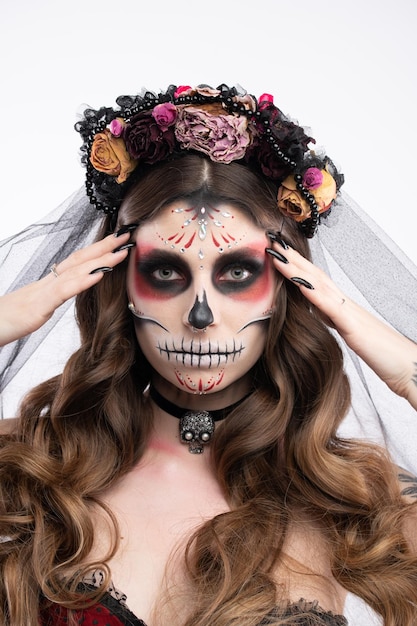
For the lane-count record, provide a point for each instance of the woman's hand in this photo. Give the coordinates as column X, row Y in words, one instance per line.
column 392, row 356
column 25, row 310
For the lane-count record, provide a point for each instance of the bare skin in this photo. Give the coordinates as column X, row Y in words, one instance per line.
column 24, row 311
column 169, row 494
column 166, row 497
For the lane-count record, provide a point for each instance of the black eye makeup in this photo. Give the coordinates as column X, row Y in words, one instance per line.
column 163, row 271
column 166, row 272
column 238, row 271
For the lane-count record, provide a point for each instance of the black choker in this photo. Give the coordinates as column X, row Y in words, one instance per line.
column 196, row 427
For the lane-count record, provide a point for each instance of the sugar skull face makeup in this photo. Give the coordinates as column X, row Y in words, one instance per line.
column 201, row 288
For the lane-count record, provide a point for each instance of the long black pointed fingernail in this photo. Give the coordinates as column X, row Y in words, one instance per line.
column 125, row 246
column 127, row 228
column 101, row 269
column 276, row 255
column 276, row 237
column 301, row 281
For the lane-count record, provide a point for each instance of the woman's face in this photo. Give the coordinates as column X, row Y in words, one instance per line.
column 202, row 287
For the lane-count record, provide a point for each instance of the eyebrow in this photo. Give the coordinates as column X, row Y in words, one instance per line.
column 156, row 256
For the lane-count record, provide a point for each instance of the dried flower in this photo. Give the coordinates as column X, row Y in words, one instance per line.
column 225, row 124
column 313, row 178
column 146, row 141
column 165, row 115
column 293, row 204
column 224, row 138
column 181, row 90
column 109, row 155
column 116, row 126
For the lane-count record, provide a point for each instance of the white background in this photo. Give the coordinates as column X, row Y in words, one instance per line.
column 344, row 68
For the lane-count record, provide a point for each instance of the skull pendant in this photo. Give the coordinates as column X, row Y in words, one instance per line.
column 196, row 429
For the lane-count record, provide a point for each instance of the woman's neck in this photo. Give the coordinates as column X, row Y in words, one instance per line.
column 185, row 422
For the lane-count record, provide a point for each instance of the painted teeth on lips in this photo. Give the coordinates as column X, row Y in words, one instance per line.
column 201, row 355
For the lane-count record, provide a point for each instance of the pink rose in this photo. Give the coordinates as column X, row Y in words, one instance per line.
column 116, row 127
column 313, row 178
column 181, row 89
column 266, row 97
column 165, row 115
column 224, row 138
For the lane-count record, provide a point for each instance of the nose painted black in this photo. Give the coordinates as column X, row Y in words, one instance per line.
column 200, row 315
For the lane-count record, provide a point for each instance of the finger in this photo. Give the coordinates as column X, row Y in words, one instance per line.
column 316, row 286
column 78, row 278
column 105, row 253
column 86, row 267
column 95, row 252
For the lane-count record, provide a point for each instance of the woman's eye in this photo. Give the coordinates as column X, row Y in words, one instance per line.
column 237, row 273
column 166, row 274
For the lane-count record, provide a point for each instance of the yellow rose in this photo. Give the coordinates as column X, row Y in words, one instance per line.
column 293, row 204
column 109, row 155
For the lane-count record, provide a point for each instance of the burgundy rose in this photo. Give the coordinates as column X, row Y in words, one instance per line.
column 224, row 138
column 165, row 115
column 146, row 141
column 261, row 155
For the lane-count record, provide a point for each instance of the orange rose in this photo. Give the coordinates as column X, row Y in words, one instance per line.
column 293, row 204
column 109, row 155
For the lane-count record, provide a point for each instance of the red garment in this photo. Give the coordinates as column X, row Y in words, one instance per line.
column 109, row 612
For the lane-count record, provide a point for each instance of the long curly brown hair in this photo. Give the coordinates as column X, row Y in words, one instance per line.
column 278, row 453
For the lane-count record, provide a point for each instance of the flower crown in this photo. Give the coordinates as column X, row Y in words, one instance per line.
column 225, row 124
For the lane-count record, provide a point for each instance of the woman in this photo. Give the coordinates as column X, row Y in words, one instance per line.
column 210, row 339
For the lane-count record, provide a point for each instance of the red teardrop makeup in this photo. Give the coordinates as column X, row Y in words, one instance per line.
column 201, row 288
